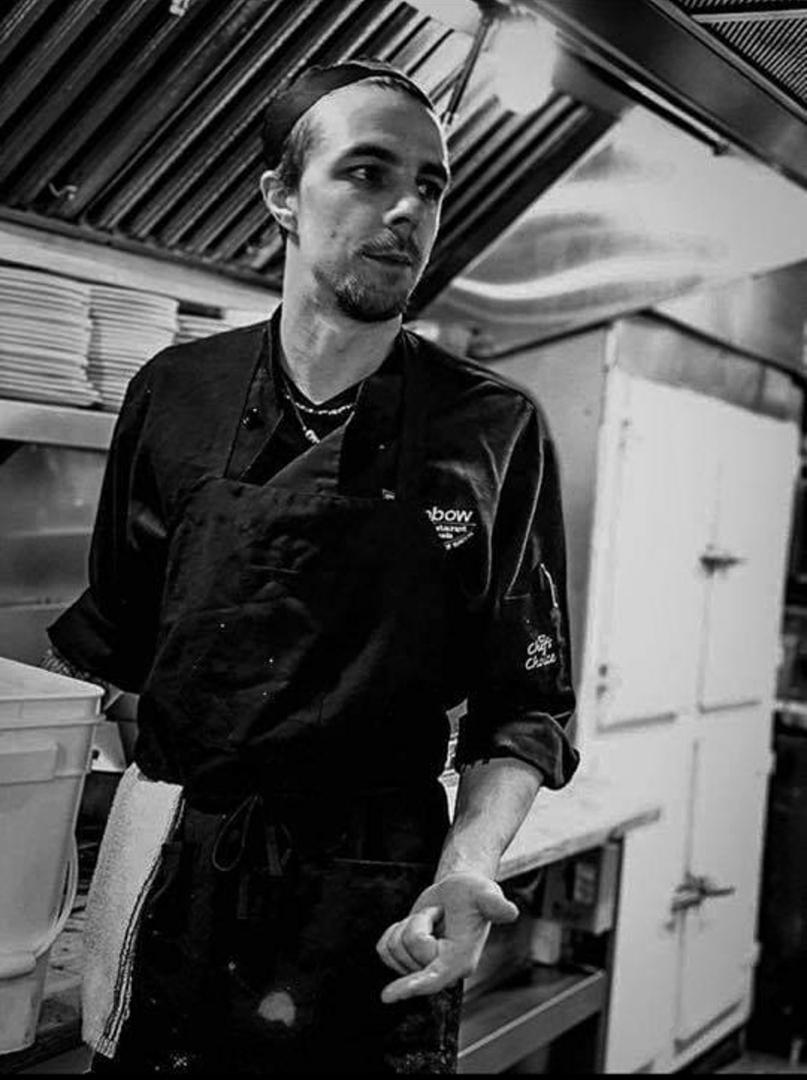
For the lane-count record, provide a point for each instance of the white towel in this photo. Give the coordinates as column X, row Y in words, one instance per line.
column 143, row 815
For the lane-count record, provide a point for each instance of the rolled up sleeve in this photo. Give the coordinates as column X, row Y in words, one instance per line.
column 110, row 629
column 523, row 699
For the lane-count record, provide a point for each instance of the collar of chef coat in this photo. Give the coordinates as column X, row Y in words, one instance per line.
column 356, row 458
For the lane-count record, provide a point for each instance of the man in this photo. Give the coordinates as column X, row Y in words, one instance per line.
column 313, row 540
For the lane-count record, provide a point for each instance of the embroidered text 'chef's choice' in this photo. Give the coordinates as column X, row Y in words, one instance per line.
column 540, row 653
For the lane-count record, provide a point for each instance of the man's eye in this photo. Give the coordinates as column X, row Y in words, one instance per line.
column 367, row 174
column 430, row 190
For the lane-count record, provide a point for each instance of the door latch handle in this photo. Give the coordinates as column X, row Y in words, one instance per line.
column 688, row 895
column 694, row 889
column 713, row 560
column 711, row 891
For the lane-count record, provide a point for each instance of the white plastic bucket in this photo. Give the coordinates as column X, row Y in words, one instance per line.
column 46, row 730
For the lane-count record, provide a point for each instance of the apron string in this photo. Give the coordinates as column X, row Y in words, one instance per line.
column 414, row 426
column 236, row 828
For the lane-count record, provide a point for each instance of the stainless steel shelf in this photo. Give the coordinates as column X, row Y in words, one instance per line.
column 505, row 1025
column 55, row 425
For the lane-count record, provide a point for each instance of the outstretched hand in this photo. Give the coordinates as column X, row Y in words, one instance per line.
column 441, row 940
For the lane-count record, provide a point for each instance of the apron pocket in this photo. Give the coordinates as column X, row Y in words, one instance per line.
column 328, row 980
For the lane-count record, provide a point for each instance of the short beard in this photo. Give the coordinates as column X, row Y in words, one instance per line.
column 365, row 304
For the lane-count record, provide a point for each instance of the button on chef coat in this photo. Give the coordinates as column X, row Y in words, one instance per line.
column 490, row 490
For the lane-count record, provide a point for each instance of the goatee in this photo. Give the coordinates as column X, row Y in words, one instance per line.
column 368, row 305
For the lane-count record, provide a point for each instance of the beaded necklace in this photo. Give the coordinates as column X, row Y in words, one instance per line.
column 299, row 407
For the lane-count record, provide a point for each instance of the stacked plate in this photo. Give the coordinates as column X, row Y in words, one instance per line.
column 44, row 336
column 248, row 316
column 194, row 327
column 128, row 327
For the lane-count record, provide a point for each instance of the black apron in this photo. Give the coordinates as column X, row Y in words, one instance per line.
column 303, row 670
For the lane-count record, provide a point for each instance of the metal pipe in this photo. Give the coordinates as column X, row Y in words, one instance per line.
column 486, row 21
column 762, row 15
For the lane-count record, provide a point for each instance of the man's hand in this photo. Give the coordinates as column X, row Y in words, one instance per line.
column 59, row 665
column 442, row 938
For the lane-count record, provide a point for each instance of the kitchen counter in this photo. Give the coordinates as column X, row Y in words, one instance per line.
column 539, row 999
column 583, row 816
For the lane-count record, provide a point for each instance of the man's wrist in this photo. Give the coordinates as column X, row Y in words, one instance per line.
column 453, row 865
column 55, row 662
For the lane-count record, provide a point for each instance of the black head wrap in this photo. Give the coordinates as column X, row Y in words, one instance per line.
column 283, row 112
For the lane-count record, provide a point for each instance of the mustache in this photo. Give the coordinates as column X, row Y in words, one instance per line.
column 393, row 245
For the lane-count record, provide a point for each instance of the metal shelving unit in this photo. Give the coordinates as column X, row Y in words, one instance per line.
column 507, row 1024
column 55, row 425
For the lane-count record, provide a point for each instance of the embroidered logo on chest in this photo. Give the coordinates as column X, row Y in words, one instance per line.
column 540, row 653
column 454, row 527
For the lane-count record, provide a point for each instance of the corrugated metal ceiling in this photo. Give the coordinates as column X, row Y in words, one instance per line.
column 140, row 126
column 136, row 122
column 769, row 35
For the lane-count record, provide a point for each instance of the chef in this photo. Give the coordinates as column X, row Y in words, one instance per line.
column 315, row 538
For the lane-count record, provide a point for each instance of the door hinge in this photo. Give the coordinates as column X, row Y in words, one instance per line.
column 624, row 433
column 602, row 680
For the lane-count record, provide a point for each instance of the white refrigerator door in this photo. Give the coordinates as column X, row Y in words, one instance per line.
column 730, row 772
column 660, row 499
column 744, row 561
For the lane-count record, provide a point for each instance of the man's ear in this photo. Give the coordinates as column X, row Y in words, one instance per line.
column 282, row 203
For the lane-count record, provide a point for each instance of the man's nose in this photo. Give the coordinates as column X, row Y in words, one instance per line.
column 406, row 210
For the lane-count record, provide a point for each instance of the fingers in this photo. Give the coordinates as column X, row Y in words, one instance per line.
column 494, row 906
column 409, row 945
column 426, row 963
column 428, row 981
column 393, row 951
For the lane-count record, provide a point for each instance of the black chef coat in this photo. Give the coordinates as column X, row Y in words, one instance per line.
column 490, row 491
